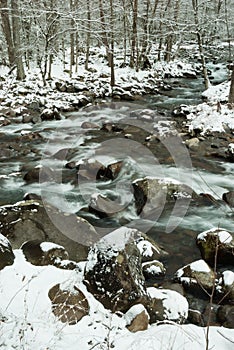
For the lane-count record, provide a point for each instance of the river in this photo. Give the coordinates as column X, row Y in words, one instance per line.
column 141, row 157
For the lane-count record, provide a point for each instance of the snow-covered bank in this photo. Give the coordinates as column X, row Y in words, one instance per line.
column 214, row 115
column 27, row 321
column 67, row 92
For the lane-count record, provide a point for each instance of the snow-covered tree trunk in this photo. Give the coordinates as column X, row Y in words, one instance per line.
column 88, row 35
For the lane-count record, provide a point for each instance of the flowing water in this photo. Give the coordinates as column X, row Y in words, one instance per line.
column 72, row 195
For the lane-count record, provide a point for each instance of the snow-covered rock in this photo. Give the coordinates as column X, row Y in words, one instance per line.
column 196, row 277
column 216, row 240
column 168, row 305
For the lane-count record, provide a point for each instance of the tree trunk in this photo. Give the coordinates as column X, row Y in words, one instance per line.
column 231, row 91
column 134, row 53
column 88, row 36
column 200, row 44
column 17, row 42
column 104, row 32
column 112, row 82
column 72, row 39
column 7, row 31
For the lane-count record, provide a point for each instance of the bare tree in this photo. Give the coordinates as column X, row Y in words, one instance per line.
column 198, row 30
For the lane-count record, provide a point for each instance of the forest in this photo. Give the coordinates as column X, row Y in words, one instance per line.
column 38, row 32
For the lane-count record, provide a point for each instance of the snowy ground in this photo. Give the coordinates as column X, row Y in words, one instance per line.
column 27, row 321
column 214, row 114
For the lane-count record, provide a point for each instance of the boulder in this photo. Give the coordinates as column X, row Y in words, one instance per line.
column 193, row 143
column 167, row 305
column 228, row 197
column 113, row 271
column 230, row 152
column 137, row 318
column 6, row 254
column 34, row 220
column 225, row 316
column 103, row 207
column 43, row 253
column 94, row 170
column 50, row 114
column 39, row 174
column 216, row 240
column 152, row 193
column 196, row 277
column 68, row 304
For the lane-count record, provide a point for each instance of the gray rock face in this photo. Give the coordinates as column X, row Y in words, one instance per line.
column 68, row 305
column 113, row 272
column 6, row 254
column 216, row 239
column 33, row 220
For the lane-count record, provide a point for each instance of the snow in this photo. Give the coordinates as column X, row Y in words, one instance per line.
column 200, row 266
column 4, row 242
column 28, row 323
column 228, row 278
column 176, row 306
column 146, row 248
column 224, row 236
column 46, row 246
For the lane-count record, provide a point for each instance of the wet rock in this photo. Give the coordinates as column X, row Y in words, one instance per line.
column 50, row 114
column 4, row 121
column 34, row 220
column 230, row 152
column 113, row 271
column 69, row 305
column 6, row 254
column 228, row 197
column 94, row 170
column 91, row 170
column 196, row 277
column 167, row 305
column 137, row 318
column 39, row 174
column 195, row 317
column 89, row 125
column 103, row 207
column 193, row 143
column 43, row 253
column 181, row 111
column 32, row 196
column 225, row 315
column 108, row 127
column 153, row 269
column 216, row 239
column 149, row 249
column 152, row 193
